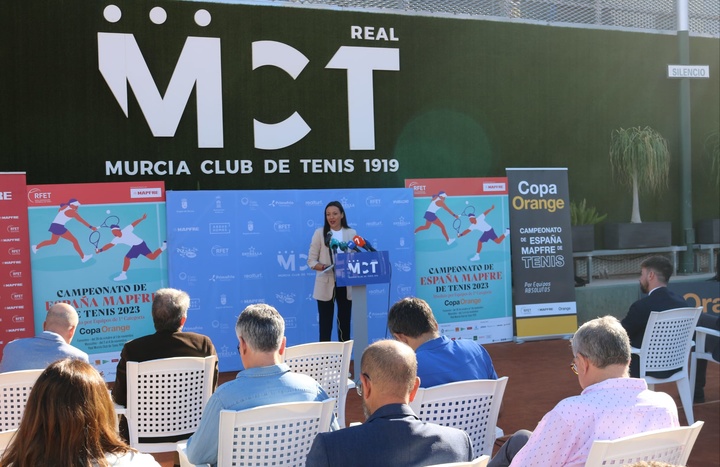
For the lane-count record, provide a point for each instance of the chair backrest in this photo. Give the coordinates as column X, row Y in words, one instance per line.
column 15, row 388
column 671, row 445
column 5, row 438
column 326, row 362
column 166, row 397
column 472, row 406
column 668, row 339
column 276, row 434
column 701, row 335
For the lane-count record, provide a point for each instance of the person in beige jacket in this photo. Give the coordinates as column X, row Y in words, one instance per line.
column 320, row 258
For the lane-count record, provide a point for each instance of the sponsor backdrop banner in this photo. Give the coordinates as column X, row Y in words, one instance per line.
column 699, row 293
column 463, row 255
column 541, row 240
column 16, row 315
column 230, row 249
column 68, row 224
column 226, row 95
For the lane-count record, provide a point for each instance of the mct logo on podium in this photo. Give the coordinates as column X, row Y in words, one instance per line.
column 372, row 267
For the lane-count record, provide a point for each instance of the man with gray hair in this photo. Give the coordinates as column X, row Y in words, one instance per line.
column 33, row 353
column 265, row 380
column 169, row 313
column 392, row 435
column 612, row 405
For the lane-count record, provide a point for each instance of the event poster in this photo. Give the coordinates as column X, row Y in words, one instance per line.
column 544, row 292
column 101, row 248
column 231, row 249
column 16, row 315
column 463, row 255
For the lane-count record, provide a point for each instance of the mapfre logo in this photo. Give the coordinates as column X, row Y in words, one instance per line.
column 37, row 196
column 145, row 193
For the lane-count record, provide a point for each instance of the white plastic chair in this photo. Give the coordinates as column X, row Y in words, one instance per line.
column 329, row 364
column 166, row 397
column 472, row 406
column 5, row 438
column 15, row 388
column 666, row 346
column 700, row 352
column 275, row 434
column 481, row 461
column 670, row 445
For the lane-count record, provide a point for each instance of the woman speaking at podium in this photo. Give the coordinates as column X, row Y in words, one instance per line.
column 324, row 245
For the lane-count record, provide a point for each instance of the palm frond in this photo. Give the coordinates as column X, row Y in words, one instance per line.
column 640, row 153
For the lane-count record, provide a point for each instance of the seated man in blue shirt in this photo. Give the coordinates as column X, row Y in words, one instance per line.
column 440, row 360
column 36, row 353
column 265, row 379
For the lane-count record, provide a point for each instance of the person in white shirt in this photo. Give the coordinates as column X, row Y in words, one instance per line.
column 431, row 218
column 137, row 245
column 487, row 232
column 66, row 213
column 612, row 405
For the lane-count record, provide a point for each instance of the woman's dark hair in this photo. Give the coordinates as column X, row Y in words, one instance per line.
column 343, row 221
column 69, row 420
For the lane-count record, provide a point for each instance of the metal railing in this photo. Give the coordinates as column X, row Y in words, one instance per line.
column 657, row 16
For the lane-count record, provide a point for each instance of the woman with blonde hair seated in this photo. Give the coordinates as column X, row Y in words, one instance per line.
column 69, row 420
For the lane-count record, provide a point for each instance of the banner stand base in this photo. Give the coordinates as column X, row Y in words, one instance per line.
column 522, row 340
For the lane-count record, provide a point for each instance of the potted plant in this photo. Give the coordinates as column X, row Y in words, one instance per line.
column 708, row 230
column 582, row 220
column 639, row 157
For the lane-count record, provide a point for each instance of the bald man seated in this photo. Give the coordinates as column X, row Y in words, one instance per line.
column 53, row 344
column 392, row 435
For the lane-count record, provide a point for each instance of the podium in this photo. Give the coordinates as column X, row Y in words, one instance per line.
column 357, row 270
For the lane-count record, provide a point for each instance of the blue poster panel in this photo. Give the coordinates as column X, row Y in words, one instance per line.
column 230, row 249
column 463, row 255
column 101, row 248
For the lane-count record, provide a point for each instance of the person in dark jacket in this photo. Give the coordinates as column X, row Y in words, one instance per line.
column 655, row 274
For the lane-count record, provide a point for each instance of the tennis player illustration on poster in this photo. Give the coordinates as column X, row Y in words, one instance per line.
column 487, row 232
column 66, row 212
column 431, row 218
column 137, row 245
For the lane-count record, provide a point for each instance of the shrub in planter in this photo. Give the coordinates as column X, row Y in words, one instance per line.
column 583, row 219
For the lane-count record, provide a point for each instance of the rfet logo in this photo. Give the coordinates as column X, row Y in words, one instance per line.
column 37, row 196
column 417, row 188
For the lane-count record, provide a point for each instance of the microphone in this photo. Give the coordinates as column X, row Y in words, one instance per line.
column 328, row 237
column 359, row 241
column 351, row 245
column 343, row 246
column 334, row 244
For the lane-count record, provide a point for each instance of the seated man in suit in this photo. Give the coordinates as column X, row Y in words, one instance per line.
column 439, row 359
column 655, row 274
column 392, row 435
column 611, row 405
column 265, row 380
column 169, row 313
column 36, row 353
